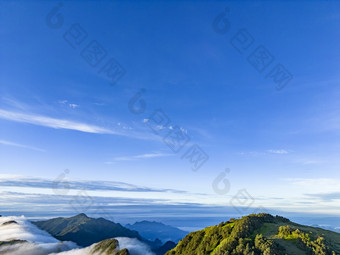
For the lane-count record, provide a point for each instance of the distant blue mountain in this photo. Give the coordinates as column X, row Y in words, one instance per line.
column 331, row 228
column 152, row 230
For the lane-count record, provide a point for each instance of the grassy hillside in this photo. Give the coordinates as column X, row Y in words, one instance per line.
column 109, row 247
column 259, row 234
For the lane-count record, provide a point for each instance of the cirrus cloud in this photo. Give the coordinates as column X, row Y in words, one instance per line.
column 53, row 122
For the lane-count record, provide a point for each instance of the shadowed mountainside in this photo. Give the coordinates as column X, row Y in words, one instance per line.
column 84, row 230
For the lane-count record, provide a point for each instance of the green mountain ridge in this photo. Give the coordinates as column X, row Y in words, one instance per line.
column 84, row 230
column 259, row 234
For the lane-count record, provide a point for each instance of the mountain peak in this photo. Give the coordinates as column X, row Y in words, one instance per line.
column 84, row 230
column 81, row 215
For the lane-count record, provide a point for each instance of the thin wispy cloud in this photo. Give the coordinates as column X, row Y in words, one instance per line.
column 62, row 101
column 142, row 156
column 278, row 151
column 56, row 123
column 45, row 121
column 8, row 143
column 314, row 181
column 327, row 197
column 28, row 182
column 314, row 185
column 311, row 162
column 71, row 105
column 114, row 206
column 14, row 103
column 264, row 153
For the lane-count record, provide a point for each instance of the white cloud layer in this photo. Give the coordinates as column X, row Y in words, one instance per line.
column 40, row 242
column 134, row 246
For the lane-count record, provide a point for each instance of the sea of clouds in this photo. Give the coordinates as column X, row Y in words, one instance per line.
column 134, row 246
column 42, row 243
column 39, row 242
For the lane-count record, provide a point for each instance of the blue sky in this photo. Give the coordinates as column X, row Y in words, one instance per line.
column 58, row 112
